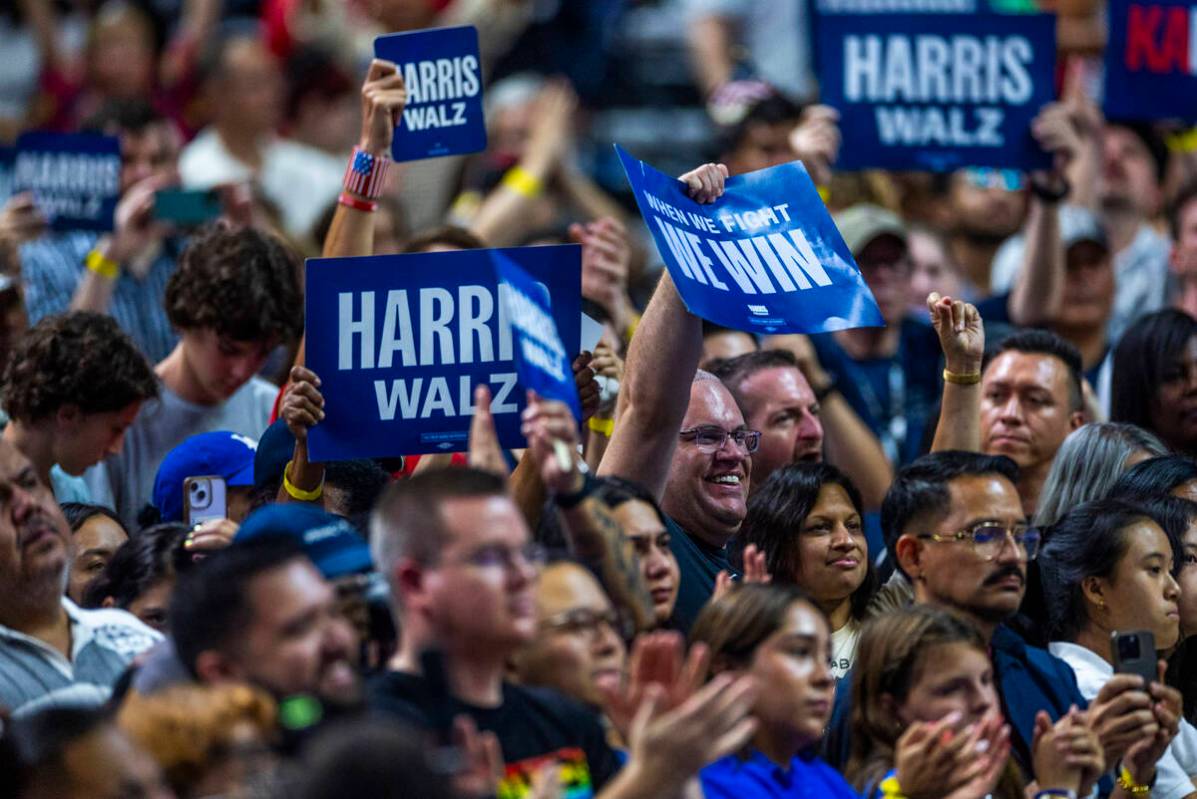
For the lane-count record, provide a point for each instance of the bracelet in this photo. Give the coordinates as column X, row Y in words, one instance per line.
column 962, row 378
column 604, row 427
column 889, row 787
column 102, row 265
column 1048, row 193
column 632, row 325
column 349, row 201
column 299, row 493
column 523, row 182
column 1064, row 793
column 366, row 174
column 569, row 501
column 1127, row 783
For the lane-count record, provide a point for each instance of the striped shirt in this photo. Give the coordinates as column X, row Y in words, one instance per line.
column 35, row 676
column 52, row 267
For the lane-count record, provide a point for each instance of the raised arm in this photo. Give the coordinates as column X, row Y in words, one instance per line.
column 1039, row 288
column 661, row 363
column 503, row 218
column 383, row 98
column 962, row 337
column 352, row 230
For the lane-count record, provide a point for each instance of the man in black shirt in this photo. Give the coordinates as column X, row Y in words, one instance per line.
column 462, row 569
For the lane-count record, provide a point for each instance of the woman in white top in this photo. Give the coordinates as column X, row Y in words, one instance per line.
column 1108, row 566
column 807, row 522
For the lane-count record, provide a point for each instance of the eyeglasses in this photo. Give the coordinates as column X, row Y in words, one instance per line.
column 988, row 538
column 497, row 555
column 583, row 621
column 709, row 438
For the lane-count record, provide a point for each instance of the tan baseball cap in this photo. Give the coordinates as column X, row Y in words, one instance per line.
column 864, row 222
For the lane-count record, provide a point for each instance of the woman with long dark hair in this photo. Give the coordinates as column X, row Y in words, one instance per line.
column 1155, row 378
column 807, row 521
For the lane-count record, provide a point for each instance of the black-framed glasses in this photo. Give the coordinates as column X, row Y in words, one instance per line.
column 709, row 438
column 988, row 538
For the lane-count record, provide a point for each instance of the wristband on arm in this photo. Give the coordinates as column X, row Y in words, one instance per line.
column 366, row 174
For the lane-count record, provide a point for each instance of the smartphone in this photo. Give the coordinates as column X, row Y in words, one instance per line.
column 186, row 207
column 1134, row 653
column 204, row 498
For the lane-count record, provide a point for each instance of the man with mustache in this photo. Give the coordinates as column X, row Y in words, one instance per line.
column 52, row 653
column 955, row 525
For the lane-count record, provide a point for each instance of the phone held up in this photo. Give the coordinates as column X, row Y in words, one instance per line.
column 1134, row 653
column 204, row 498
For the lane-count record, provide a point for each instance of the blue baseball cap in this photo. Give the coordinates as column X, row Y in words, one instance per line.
column 221, row 453
column 331, row 542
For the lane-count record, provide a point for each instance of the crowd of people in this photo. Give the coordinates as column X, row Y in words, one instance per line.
column 953, row 557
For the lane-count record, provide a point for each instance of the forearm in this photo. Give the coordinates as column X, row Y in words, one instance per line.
column 94, row 293
column 596, row 447
column 593, row 202
column 528, row 490
column 661, row 363
column 634, row 782
column 302, row 474
column 851, row 446
column 1038, row 290
column 959, row 426
column 710, row 51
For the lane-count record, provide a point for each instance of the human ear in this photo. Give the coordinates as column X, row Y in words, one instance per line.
column 908, row 553
column 1094, row 591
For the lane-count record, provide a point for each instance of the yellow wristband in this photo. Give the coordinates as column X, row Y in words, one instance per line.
column 604, row 427
column 965, row 379
column 102, row 266
column 299, row 493
column 890, row 789
column 523, row 182
column 824, row 193
column 632, row 325
column 1127, row 783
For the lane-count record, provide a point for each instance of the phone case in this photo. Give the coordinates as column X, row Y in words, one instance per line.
column 205, row 498
column 1144, row 664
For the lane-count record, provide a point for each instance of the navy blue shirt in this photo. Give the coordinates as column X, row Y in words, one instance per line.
column 758, row 777
column 698, row 565
column 1029, row 679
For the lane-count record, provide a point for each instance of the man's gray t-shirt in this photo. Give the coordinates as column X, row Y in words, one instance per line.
column 126, row 481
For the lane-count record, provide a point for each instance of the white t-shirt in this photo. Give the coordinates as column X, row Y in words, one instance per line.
column 301, row 180
column 1174, row 771
column 843, row 648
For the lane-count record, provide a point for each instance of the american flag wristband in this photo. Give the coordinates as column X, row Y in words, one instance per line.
column 366, row 174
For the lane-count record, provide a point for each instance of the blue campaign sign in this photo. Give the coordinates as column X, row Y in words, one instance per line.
column 443, row 74
column 765, row 257
column 400, row 342
column 75, row 177
column 936, row 91
column 544, row 364
column 1151, row 60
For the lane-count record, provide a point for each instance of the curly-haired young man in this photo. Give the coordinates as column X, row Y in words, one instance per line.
column 73, row 386
column 234, row 297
